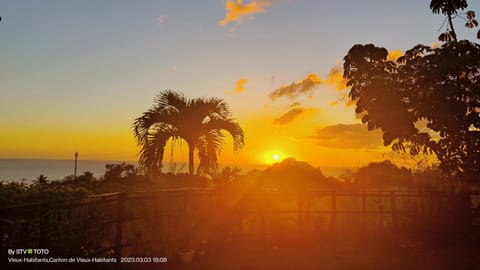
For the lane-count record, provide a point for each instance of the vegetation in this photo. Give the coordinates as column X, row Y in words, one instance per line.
column 293, row 175
column 383, row 174
column 198, row 121
column 436, row 87
column 234, row 208
column 119, row 171
column 450, row 8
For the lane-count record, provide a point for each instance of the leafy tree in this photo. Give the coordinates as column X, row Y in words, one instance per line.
column 439, row 85
column 86, row 176
column 382, row 174
column 450, row 9
column 41, row 180
column 118, row 171
column 293, row 175
column 198, row 121
column 228, row 174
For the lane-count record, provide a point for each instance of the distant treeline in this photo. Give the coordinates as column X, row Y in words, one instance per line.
column 289, row 174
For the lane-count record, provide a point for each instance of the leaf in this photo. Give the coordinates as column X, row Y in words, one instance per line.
column 475, row 22
column 442, row 37
column 470, row 14
column 478, row 34
column 469, row 25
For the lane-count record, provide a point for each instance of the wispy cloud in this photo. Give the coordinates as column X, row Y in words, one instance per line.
column 296, row 89
column 289, row 116
column 294, row 104
column 348, row 136
column 335, row 78
column 294, row 112
column 236, row 11
column 160, row 20
column 240, row 88
column 343, row 98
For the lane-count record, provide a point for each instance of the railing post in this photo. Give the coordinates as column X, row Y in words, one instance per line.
column 364, row 209
column 263, row 218
column 44, row 228
column 393, row 208
column 119, row 224
column 333, row 222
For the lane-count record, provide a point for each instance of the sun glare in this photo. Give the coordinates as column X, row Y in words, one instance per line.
column 273, row 156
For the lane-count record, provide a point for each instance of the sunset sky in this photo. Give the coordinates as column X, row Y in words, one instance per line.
column 74, row 74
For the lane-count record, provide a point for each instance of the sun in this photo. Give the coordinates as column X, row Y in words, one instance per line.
column 273, row 156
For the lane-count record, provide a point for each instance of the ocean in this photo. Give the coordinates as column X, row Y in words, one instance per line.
column 29, row 169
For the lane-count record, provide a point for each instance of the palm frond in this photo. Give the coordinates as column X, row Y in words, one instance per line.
column 171, row 98
column 151, row 154
column 231, row 127
column 150, row 118
column 209, row 147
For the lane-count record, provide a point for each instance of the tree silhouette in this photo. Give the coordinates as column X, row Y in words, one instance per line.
column 117, row 171
column 381, row 174
column 198, row 121
column 41, row 180
column 450, row 9
column 439, row 85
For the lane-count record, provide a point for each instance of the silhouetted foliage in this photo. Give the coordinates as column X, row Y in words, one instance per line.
column 15, row 193
column 198, row 121
column 440, row 85
column 228, row 174
column 119, row 171
column 40, row 180
column 86, row 176
column 291, row 174
column 382, row 175
column 450, row 9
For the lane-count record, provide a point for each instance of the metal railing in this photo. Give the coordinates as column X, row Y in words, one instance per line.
column 121, row 209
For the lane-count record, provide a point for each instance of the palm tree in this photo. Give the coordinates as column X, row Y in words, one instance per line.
column 198, row 121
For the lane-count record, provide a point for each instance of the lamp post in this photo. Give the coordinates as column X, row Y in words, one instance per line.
column 75, row 171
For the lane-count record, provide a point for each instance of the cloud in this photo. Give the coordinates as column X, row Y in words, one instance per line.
column 394, row 55
column 334, row 103
column 335, row 78
column 345, row 99
column 161, row 20
column 240, row 88
column 348, row 136
column 296, row 89
column 306, row 86
column 288, row 116
column 236, row 11
column 294, row 104
column 294, row 113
